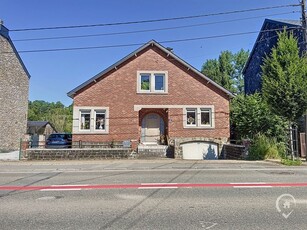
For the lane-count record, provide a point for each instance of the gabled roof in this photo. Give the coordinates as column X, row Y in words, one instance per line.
column 150, row 43
column 4, row 32
column 39, row 124
column 282, row 23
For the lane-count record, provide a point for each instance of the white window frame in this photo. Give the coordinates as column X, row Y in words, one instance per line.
column 152, row 81
column 198, row 110
column 84, row 111
column 96, row 111
column 92, row 110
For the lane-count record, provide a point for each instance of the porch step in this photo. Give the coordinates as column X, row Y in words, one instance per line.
column 152, row 151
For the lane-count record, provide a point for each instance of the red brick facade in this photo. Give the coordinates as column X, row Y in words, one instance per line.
column 117, row 90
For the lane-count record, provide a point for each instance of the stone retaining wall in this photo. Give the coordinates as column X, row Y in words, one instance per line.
column 75, row 154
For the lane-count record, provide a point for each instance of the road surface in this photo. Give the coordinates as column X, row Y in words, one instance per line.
column 161, row 194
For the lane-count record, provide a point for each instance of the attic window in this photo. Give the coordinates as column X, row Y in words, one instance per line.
column 152, row 82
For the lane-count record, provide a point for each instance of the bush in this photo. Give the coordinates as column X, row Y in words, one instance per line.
column 263, row 147
column 250, row 115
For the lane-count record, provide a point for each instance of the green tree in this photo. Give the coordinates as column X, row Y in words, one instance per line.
column 56, row 113
column 251, row 115
column 284, row 79
column 227, row 70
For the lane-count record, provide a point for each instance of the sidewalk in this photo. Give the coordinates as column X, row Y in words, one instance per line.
column 11, row 156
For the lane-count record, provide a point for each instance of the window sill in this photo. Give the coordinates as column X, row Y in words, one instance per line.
column 91, row 132
column 153, row 93
column 198, row 127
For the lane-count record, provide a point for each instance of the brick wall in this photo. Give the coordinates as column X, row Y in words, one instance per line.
column 118, row 91
column 14, row 86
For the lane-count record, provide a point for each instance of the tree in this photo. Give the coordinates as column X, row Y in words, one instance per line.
column 284, row 80
column 227, row 70
column 250, row 115
column 56, row 113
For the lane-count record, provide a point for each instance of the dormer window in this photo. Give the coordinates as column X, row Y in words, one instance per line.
column 153, row 82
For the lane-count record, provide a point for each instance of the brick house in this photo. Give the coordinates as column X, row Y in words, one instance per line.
column 152, row 97
column 14, row 88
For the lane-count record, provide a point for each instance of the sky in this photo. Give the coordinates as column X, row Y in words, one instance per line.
column 54, row 73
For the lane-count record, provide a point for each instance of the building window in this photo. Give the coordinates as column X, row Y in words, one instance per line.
column 205, row 116
column 100, row 119
column 152, row 82
column 191, row 117
column 90, row 120
column 145, row 82
column 200, row 117
column 85, row 119
column 159, row 82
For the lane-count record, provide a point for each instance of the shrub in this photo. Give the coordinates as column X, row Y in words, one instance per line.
column 264, row 147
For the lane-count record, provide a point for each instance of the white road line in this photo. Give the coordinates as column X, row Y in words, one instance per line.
column 255, row 186
column 60, row 189
column 248, row 183
column 159, row 183
column 156, row 187
column 69, row 185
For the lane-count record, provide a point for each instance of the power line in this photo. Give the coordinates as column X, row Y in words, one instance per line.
column 139, row 44
column 147, row 30
column 154, row 20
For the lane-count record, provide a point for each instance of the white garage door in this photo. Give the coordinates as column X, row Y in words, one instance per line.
column 199, row 151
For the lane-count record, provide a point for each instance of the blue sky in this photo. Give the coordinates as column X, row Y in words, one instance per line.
column 53, row 74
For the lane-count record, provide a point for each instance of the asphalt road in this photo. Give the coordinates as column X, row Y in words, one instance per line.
column 162, row 194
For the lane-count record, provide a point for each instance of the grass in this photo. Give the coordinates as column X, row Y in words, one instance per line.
column 289, row 162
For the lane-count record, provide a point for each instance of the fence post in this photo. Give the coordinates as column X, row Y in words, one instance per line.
column 20, row 146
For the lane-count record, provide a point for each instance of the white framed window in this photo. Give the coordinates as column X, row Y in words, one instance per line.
column 85, row 120
column 191, row 117
column 100, row 119
column 152, row 82
column 91, row 120
column 198, row 117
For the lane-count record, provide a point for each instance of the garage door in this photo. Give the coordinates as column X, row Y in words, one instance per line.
column 199, row 151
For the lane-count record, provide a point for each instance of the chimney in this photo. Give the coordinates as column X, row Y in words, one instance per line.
column 3, row 30
column 170, row 49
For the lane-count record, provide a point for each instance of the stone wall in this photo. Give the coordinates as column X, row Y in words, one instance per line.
column 76, row 154
column 14, row 86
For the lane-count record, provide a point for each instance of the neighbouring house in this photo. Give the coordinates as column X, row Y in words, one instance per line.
column 38, row 131
column 266, row 40
column 14, row 88
column 40, row 128
column 153, row 98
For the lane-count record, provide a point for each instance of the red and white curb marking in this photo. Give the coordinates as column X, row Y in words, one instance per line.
column 149, row 186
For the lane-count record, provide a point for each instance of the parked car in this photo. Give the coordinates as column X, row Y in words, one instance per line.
column 59, row 140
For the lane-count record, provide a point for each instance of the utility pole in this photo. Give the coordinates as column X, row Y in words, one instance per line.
column 304, row 26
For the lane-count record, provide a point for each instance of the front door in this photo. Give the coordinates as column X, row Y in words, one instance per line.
column 151, row 128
